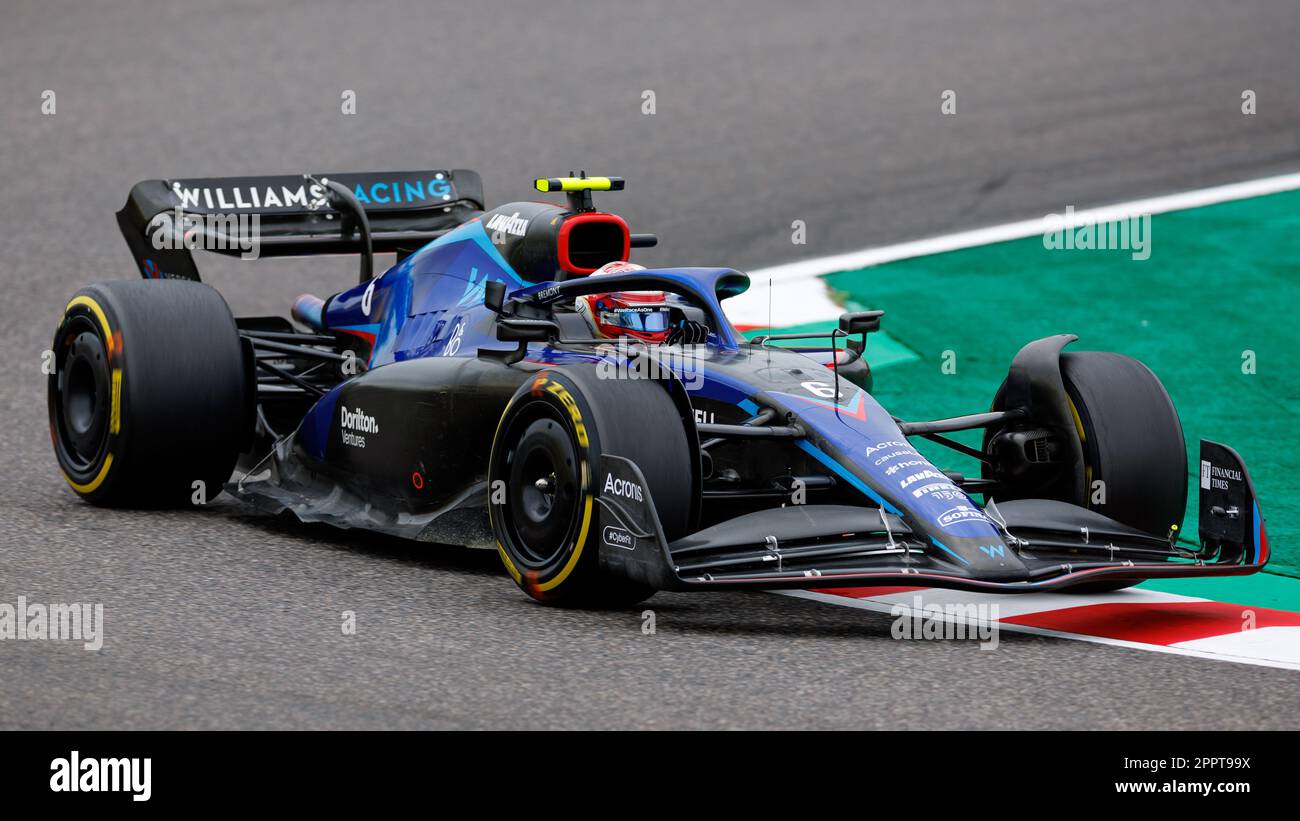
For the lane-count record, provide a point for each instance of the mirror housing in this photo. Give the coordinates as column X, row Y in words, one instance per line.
column 860, row 322
column 526, row 330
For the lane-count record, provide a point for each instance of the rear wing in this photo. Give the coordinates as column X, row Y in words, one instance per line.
column 164, row 221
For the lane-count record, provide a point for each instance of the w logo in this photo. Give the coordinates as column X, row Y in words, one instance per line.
column 994, row 550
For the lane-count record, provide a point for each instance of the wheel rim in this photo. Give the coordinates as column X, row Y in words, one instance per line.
column 544, row 491
column 83, row 397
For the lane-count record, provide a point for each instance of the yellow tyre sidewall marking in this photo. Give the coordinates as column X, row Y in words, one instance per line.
column 580, row 433
column 510, row 566
column 115, row 414
column 1083, row 439
column 90, row 486
column 577, row 550
column 115, row 418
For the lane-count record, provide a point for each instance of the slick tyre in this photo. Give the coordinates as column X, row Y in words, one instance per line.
column 150, row 394
column 1132, row 440
column 544, row 465
column 1132, row 444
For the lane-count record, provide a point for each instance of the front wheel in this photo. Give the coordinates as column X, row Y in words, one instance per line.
column 543, row 473
column 1134, row 464
column 1134, row 456
column 1135, row 459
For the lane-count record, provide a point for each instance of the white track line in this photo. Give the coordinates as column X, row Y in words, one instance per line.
column 1027, row 228
column 1279, row 644
column 796, row 299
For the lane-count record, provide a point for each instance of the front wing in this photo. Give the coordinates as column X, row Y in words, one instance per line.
column 811, row 546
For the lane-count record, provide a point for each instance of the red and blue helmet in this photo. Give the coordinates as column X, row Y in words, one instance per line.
column 643, row 315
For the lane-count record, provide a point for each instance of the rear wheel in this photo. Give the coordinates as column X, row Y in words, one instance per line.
column 149, row 403
column 545, row 458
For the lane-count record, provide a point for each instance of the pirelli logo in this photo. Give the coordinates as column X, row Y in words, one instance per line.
column 543, row 383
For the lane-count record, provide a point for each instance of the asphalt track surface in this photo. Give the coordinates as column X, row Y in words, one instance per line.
column 766, row 113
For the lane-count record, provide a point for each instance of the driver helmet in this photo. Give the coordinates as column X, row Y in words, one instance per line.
column 643, row 315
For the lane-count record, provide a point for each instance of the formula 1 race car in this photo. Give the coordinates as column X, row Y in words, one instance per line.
column 462, row 397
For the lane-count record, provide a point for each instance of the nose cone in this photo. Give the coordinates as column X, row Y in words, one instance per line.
column 984, row 558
